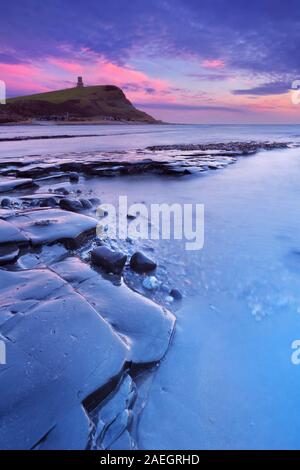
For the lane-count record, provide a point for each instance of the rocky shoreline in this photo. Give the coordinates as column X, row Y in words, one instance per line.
column 82, row 346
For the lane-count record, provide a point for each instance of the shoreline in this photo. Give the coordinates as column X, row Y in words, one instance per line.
column 81, row 123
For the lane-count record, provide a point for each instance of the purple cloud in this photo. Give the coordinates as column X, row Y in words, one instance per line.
column 271, row 88
column 261, row 37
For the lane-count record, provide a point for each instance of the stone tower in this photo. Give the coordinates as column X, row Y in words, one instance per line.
column 79, row 82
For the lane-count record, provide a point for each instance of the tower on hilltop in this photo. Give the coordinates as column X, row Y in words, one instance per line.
column 79, row 82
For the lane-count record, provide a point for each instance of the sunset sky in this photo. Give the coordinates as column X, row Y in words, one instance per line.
column 192, row 61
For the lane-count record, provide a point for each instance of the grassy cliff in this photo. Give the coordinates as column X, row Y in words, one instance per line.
column 89, row 103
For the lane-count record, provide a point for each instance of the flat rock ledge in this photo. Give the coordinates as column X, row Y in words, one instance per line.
column 172, row 160
column 74, row 340
column 71, row 337
column 10, row 183
column 45, row 226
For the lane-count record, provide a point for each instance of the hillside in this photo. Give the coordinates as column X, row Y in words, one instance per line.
column 103, row 102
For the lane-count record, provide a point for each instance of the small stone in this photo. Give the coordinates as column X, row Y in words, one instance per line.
column 164, row 288
column 176, row 294
column 34, row 203
column 71, row 205
column 169, row 299
column 95, row 201
column 150, row 283
column 6, row 202
column 86, row 204
column 74, row 177
column 141, row 263
column 63, row 191
column 43, row 223
column 111, row 261
column 50, row 202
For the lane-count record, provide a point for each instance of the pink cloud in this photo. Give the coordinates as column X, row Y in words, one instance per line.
column 98, row 70
column 25, row 77
column 54, row 73
column 213, row 63
column 71, row 67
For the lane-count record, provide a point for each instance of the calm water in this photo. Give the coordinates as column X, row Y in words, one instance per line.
column 228, row 380
column 121, row 137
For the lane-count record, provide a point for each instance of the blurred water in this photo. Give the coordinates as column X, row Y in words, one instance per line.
column 228, row 380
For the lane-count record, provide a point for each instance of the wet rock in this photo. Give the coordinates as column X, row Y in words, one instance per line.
column 113, row 418
column 221, row 146
column 116, row 429
column 9, row 184
column 6, row 213
column 124, row 442
column 63, row 191
column 176, row 160
column 164, row 288
column 60, row 352
column 151, row 283
column 42, row 200
column 95, row 201
column 86, row 204
column 111, row 261
column 141, row 263
column 6, row 202
column 144, row 326
column 10, row 234
column 71, row 433
column 8, row 254
column 50, row 202
column 74, row 177
column 45, row 226
column 71, row 205
column 43, row 256
column 176, row 294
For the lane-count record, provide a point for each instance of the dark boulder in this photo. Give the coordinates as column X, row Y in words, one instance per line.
column 176, row 294
column 71, row 205
column 74, row 177
column 95, row 201
column 86, row 204
column 141, row 263
column 6, row 202
column 50, row 202
column 111, row 261
column 63, row 191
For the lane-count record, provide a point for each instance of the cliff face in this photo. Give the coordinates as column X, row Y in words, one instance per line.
column 95, row 102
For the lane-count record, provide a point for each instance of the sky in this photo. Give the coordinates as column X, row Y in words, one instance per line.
column 187, row 61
